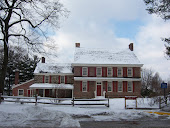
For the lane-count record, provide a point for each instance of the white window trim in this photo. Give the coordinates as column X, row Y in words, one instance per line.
column 82, row 86
column 111, row 71
column 60, row 79
column 86, row 69
column 118, row 87
column 19, row 90
column 96, row 71
column 108, row 86
column 131, row 72
column 121, row 72
column 131, row 86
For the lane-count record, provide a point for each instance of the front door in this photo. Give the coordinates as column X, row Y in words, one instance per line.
column 28, row 93
column 98, row 90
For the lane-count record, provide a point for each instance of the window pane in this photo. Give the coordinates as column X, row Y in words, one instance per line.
column 109, row 71
column 129, row 71
column 120, row 88
column 62, row 79
column 84, row 71
column 119, row 72
column 84, row 86
column 129, row 86
column 99, row 71
column 40, row 92
column 109, row 87
column 46, row 79
column 21, row 92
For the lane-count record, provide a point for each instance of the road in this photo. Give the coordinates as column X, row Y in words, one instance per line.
column 126, row 124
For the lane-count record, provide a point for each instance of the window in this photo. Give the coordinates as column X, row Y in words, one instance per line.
column 119, row 72
column 129, row 87
column 109, row 86
column 84, row 87
column 99, row 71
column 20, row 92
column 120, row 87
column 109, row 71
column 84, row 72
column 46, row 79
column 129, row 72
column 62, row 79
column 40, row 92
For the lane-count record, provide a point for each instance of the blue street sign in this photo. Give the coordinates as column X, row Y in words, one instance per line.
column 163, row 85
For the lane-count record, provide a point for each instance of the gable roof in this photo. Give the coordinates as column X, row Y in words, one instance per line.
column 53, row 68
column 105, row 56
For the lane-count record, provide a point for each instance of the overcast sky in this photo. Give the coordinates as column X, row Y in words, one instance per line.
column 114, row 24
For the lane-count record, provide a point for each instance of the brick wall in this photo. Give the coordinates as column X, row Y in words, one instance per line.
column 135, row 92
column 137, row 72
column 92, row 72
column 55, row 79
column 24, row 86
column 79, row 94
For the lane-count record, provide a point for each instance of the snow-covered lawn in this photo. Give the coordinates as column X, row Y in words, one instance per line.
column 42, row 115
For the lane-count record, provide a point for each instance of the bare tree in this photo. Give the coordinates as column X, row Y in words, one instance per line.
column 27, row 22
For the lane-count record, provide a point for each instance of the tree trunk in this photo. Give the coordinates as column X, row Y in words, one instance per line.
column 4, row 65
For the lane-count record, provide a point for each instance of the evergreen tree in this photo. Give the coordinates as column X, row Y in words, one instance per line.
column 19, row 60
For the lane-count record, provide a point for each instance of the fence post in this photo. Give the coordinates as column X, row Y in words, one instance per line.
column 108, row 101
column 159, row 102
column 73, row 102
column 36, row 100
column 0, row 98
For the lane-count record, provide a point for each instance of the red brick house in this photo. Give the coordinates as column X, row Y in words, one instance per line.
column 94, row 73
column 107, row 73
column 50, row 80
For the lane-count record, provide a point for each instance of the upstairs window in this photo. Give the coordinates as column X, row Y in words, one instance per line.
column 62, row 79
column 109, row 86
column 129, row 72
column 84, row 87
column 119, row 72
column 46, row 79
column 109, row 71
column 99, row 72
column 129, row 87
column 120, row 87
column 84, row 72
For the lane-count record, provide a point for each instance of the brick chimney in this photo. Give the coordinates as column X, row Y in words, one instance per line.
column 77, row 45
column 43, row 60
column 131, row 46
column 16, row 77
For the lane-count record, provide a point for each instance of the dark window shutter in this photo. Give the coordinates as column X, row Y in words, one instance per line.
column 43, row 79
column 58, row 79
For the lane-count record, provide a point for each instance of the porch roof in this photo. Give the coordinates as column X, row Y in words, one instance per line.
column 51, row 86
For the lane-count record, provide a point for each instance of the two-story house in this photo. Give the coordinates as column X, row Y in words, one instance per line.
column 94, row 73
column 106, row 72
column 50, row 80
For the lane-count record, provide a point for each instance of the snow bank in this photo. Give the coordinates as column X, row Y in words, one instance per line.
column 33, row 116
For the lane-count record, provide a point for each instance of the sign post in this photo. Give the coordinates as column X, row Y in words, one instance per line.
column 164, row 86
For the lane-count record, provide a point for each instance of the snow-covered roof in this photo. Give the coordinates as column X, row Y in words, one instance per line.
column 53, row 68
column 51, row 86
column 104, row 56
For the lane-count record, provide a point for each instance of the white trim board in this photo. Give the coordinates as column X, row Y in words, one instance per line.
column 105, row 79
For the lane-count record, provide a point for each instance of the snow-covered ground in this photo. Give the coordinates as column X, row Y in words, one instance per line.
column 42, row 115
